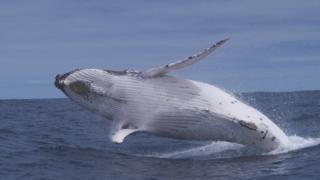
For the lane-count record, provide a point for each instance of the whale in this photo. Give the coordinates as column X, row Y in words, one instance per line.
column 155, row 102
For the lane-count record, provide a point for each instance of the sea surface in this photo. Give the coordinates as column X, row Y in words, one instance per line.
column 57, row 139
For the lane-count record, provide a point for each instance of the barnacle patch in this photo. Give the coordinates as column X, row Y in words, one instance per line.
column 248, row 125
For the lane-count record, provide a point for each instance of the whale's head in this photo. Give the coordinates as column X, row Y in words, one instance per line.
column 92, row 88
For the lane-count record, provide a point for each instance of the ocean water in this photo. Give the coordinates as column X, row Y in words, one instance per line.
column 57, row 139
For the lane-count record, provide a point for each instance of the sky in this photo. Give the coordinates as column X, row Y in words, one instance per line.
column 274, row 45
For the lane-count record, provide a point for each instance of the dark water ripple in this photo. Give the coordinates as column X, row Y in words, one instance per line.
column 56, row 139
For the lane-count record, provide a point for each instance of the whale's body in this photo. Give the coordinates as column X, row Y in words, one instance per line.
column 154, row 102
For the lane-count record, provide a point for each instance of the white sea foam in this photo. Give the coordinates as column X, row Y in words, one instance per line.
column 295, row 143
column 214, row 150
column 205, row 150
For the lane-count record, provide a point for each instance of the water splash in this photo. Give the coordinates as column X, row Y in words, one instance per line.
column 218, row 150
column 203, row 151
column 295, row 143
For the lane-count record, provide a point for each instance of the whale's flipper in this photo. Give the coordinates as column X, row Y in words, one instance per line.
column 161, row 70
column 120, row 135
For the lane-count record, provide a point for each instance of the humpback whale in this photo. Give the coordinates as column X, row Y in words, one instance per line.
column 154, row 102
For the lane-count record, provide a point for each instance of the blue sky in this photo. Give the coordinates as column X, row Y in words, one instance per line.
column 274, row 46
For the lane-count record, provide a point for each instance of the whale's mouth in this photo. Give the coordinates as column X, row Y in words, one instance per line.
column 59, row 79
column 59, row 82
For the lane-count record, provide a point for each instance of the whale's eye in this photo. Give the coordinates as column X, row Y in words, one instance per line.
column 80, row 87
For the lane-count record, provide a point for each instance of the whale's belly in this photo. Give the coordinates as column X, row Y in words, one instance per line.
column 186, row 109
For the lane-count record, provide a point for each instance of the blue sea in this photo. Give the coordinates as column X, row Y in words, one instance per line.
column 57, row 139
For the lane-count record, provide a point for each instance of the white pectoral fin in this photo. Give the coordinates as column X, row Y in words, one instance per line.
column 121, row 134
column 161, row 70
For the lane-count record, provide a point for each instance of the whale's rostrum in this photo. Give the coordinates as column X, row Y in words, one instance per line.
column 154, row 102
